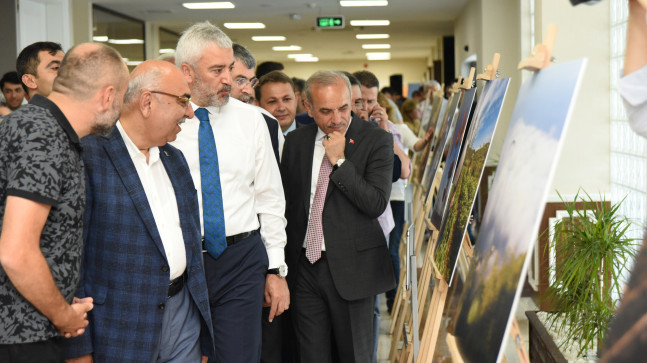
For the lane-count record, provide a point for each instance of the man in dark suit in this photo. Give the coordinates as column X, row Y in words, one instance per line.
column 337, row 179
column 277, row 95
column 142, row 258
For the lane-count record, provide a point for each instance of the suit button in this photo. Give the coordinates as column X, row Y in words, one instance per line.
column 165, row 268
column 160, row 306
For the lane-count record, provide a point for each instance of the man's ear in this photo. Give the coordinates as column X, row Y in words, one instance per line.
column 107, row 97
column 30, row 81
column 188, row 72
column 309, row 108
column 145, row 101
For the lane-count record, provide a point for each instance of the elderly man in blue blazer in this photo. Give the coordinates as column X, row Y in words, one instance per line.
column 142, row 260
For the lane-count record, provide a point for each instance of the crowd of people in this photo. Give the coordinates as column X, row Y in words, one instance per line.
column 209, row 209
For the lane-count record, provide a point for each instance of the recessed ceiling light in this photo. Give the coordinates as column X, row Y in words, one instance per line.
column 376, row 46
column 349, row 3
column 378, row 56
column 134, row 63
column 303, row 55
column 270, row 38
column 369, row 22
column 211, row 5
column 372, row 36
column 289, row 48
column 126, row 41
column 244, row 25
column 310, row 59
column 166, row 50
column 100, row 38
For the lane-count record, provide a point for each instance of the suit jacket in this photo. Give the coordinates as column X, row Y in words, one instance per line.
column 273, row 128
column 304, row 119
column 124, row 266
column 357, row 194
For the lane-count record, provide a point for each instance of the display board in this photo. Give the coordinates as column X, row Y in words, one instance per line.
column 483, row 312
column 455, row 142
column 469, row 171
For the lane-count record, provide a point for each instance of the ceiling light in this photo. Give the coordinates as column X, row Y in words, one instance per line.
column 372, row 36
column 369, row 22
column 348, row 3
column 126, row 41
column 167, row 50
column 211, row 5
column 244, row 25
column 310, row 59
column 290, row 48
column 100, row 38
column 303, row 55
column 378, row 56
column 376, row 46
column 134, row 63
column 270, row 38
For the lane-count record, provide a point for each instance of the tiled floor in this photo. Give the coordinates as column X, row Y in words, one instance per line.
column 525, row 303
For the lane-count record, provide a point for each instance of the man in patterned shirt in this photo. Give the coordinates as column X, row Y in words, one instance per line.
column 42, row 199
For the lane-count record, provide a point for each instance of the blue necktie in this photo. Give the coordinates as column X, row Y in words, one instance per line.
column 215, row 239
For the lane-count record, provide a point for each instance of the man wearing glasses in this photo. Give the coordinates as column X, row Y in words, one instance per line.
column 142, row 246
column 242, row 89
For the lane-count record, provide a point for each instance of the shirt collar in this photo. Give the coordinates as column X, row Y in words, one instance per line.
column 39, row 100
column 133, row 150
column 292, row 127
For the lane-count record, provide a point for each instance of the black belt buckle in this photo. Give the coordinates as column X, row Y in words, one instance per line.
column 232, row 240
column 176, row 285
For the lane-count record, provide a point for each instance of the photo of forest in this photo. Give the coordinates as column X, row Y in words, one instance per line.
column 449, row 120
column 513, row 211
column 454, row 148
column 469, row 171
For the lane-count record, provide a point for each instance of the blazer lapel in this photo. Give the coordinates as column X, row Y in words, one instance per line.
column 306, row 165
column 351, row 139
column 116, row 149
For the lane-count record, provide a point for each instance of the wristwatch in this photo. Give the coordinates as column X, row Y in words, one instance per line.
column 340, row 161
column 281, row 271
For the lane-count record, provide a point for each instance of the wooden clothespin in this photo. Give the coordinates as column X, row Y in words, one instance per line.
column 467, row 82
column 542, row 53
column 459, row 81
column 490, row 69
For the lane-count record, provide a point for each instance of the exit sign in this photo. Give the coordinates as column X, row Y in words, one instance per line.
column 330, row 22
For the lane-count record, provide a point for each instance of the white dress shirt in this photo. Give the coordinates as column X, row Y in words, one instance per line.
column 161, row 199
column 249, row 176
column 633, row 89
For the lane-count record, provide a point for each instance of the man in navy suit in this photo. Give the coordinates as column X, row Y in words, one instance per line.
column 142, row 259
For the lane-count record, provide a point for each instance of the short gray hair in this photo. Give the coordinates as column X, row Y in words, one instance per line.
column 325, row 78
column 244, row 55
column 146, row 81
column 195, row 39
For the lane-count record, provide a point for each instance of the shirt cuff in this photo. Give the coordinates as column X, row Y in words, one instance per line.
column 276, row 257
column 632, row 87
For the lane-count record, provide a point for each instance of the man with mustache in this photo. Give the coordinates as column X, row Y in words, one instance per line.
column 230, row 156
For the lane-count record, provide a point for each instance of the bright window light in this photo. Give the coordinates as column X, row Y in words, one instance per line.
column 376, row 46
column 378, row 56
column 289, row 48
column 369, row 22
column 126, row 41
column 349, row 3
column 372, row 36
column 210, row 5
column 271, row 38
column 303, row 55
column 244, row 25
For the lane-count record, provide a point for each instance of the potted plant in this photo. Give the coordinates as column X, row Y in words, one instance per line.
column 592, row 251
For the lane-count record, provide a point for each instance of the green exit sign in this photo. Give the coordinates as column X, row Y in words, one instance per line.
column 330, row 22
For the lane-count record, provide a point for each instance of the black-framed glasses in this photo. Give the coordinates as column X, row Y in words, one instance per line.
column 360, row 104
column 182, row 100
column 242, row 81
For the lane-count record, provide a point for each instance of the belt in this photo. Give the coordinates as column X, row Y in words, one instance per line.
column 232, row 240
column 176, row 285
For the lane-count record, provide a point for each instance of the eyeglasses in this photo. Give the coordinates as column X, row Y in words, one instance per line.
column 242, row 81
column 360, row 104
column 182, row 100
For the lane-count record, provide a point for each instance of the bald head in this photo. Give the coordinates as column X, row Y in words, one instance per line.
column 155, row 104
column 88, row 68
